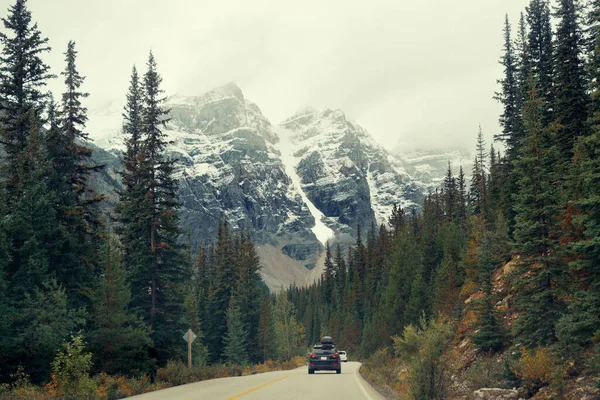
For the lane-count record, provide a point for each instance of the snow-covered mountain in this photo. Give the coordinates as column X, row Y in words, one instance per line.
column 430, row 166
column 348, row 176
column 311, row 179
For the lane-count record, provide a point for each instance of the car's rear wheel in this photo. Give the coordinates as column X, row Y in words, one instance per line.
column 338, row 371
column 311, row 371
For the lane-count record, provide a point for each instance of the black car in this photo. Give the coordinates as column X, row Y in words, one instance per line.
column 324, row 357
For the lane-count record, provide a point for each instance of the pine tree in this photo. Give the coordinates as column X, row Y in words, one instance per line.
column 522, row 72
column 266, row 330
column 234, row 341
column 419, row 302
column 450, row 195
column 248, row 291
column 448, row 279
column 223, row 287
column 496, row 184
column 118, row 338
column 538, row 297
column 132, row 209
column 461, row 198
column 488, row 335
column 540, row 55
column 73, row 166
column 405, row 266
column 397, row 219
column 48, row 321
column 6, row 309
column 430, row 238
column 33, row 224
column 578, row 326
column 328, row 274
column 340, row 271
column 570, row 97
column 22, row 76
column 158, row 292
column 478, row 187
column 509, row 98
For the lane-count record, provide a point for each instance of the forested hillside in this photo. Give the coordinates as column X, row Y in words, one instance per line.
column 411, row 289
column 82, row 292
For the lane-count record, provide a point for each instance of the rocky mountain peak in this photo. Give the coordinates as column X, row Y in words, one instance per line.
column 219, row 111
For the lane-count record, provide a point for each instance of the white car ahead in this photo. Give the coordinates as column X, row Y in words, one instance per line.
column 343, row 356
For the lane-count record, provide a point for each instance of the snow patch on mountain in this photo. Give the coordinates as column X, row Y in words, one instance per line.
column 290, row 161
column 345, row 172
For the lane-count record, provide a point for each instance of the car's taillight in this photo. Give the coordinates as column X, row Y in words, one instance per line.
column 313, row 355
column 335, row 355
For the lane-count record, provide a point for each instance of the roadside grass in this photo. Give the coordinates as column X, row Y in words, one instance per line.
column 385, row 373
column 175, row 373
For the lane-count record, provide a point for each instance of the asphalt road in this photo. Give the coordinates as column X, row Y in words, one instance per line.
column 281, row 385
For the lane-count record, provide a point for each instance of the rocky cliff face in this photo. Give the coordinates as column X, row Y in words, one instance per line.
column 313, row 178
column 350, row 178
column 230, row 169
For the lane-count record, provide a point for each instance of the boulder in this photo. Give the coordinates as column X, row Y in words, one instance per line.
column 495, row 394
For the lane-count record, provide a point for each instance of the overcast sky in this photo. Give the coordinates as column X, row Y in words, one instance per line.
column 419, row 72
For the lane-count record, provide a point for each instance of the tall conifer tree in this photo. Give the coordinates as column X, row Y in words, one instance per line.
column 119, row 339
column 538, row 298
column 570, row 97
column 158, row 290
column 509, row 97
column 23, row 74
column 73, row 166
column 539, row 55
column 579, row 325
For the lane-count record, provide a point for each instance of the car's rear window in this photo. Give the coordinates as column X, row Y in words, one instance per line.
column 324, row 351
column 341, row 352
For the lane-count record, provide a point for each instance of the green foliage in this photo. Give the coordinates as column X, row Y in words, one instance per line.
column 235, row 339
column 78, row 212
column 570, row 108
column 249, row 291
column 153, row 255
column 509, row 97
column 576, row 328
column 541, row 271
column 33, row 225
column 48, row 321
column 488, row 336
column 23, row 75
column 449, row 277
column 174, row 373
column 422, row 348
column 118, row 338
column 289, row 334
column 266, row 330
column 70, row 370
column 538, row 55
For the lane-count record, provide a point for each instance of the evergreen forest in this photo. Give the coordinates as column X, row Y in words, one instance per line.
column 117, row 290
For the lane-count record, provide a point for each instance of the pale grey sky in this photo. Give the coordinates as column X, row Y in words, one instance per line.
column 421, row 72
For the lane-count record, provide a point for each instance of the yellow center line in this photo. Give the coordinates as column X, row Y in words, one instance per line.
column 259, row 387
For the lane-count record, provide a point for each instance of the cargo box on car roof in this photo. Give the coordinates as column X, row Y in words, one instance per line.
column 326, row 340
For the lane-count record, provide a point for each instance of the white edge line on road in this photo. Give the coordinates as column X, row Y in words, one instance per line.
column 360, row 384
